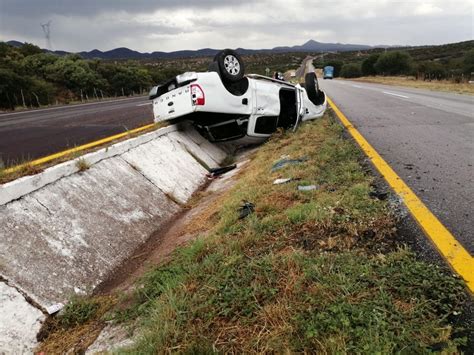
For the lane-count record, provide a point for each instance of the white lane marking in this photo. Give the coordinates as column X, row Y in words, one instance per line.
column 358, row 86
column 392, row 93
column 64, row 106
column 147, row 103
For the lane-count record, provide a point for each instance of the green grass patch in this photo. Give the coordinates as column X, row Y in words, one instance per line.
column 76, row 326
column 312, row 271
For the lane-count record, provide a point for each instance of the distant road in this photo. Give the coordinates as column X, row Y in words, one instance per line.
column 428, row 139
column 35, row 133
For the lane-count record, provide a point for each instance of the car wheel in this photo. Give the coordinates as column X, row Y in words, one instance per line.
column 231, row 65
column 312, row 87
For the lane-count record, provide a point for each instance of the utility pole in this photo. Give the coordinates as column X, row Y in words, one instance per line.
column 47, row 33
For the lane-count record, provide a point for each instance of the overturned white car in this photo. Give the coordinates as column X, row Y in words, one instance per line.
column 224, row 104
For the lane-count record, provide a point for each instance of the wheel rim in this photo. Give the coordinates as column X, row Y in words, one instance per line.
column 231, row 65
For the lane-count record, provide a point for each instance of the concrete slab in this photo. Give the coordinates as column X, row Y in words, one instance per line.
column 217, row 152
column 62, row 232
column 194, row 149
column 167, row 164
column 16, row 189
column 111, row 339
column 19, row 322
column 66, row 238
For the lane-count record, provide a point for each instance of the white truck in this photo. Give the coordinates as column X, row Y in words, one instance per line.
column 224, row 104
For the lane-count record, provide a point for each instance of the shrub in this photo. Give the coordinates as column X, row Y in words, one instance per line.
column 468, row 63
column 351, row 71
column 393, row 63
column 367, row 67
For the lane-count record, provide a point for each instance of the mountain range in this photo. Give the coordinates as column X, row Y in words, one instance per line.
column 126, row 53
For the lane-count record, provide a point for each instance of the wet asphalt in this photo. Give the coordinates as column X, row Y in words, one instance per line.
column 36, row 133
column 427, row 138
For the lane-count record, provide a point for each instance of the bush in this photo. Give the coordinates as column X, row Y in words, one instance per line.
column 368, row 67
column 431, row 70
column 393, row 63
column 351, row 71
column 468, row 63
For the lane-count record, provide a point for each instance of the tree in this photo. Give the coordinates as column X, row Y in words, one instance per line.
column 75, row 74
column 130, row 79
column 468, row 62
column 30, row 49
column 10, row 84
column 36, row 64
column 367, row 67
column 393, row 63
column 431, row 70
column 351, row 71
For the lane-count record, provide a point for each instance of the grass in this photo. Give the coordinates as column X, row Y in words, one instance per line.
column 315, row 271
column 26, row 169
column 435, row 85
column 76, row 326
column 82, row 165
column 16, row 169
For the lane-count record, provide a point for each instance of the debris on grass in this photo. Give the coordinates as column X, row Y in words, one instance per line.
column 284, row 162
column 282, row 181
column 216, row 172
column 246, row 209
column 307, row 187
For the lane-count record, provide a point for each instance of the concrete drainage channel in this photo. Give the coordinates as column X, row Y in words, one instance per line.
column 63, row 231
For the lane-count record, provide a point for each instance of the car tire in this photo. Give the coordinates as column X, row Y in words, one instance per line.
column 231, row 65
column 312, row 88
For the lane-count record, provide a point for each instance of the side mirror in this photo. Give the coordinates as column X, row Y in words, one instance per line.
column 153, row 92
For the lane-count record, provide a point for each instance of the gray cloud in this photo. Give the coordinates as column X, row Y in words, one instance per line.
column 171, row 25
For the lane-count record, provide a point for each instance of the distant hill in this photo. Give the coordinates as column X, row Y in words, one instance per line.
column 314, row 46
column 126, row 53
column 15, row 43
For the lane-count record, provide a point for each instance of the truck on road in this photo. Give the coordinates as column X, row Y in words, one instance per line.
column 328, row 72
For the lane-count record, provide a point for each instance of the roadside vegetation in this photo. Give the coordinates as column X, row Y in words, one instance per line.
column 308, row 271
column 445, row 68
column 31, row 77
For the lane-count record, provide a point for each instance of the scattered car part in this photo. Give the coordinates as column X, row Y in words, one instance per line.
column 246, row 209
column 307, row 187
column 284, row 162
column 282, row 181
column 219, row 171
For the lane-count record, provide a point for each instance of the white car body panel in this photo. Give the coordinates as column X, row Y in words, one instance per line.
column 262, row 99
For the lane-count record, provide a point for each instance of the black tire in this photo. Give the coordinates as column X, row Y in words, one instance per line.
column 231, row 65
column 312, row 87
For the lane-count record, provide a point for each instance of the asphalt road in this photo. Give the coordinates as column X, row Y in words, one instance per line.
column 31, row 134
column 428, row 139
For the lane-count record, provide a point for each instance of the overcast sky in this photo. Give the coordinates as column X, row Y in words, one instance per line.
column 168, row 25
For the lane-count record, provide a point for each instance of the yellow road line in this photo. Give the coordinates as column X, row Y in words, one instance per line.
column 64, row 153
column 457, row 257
